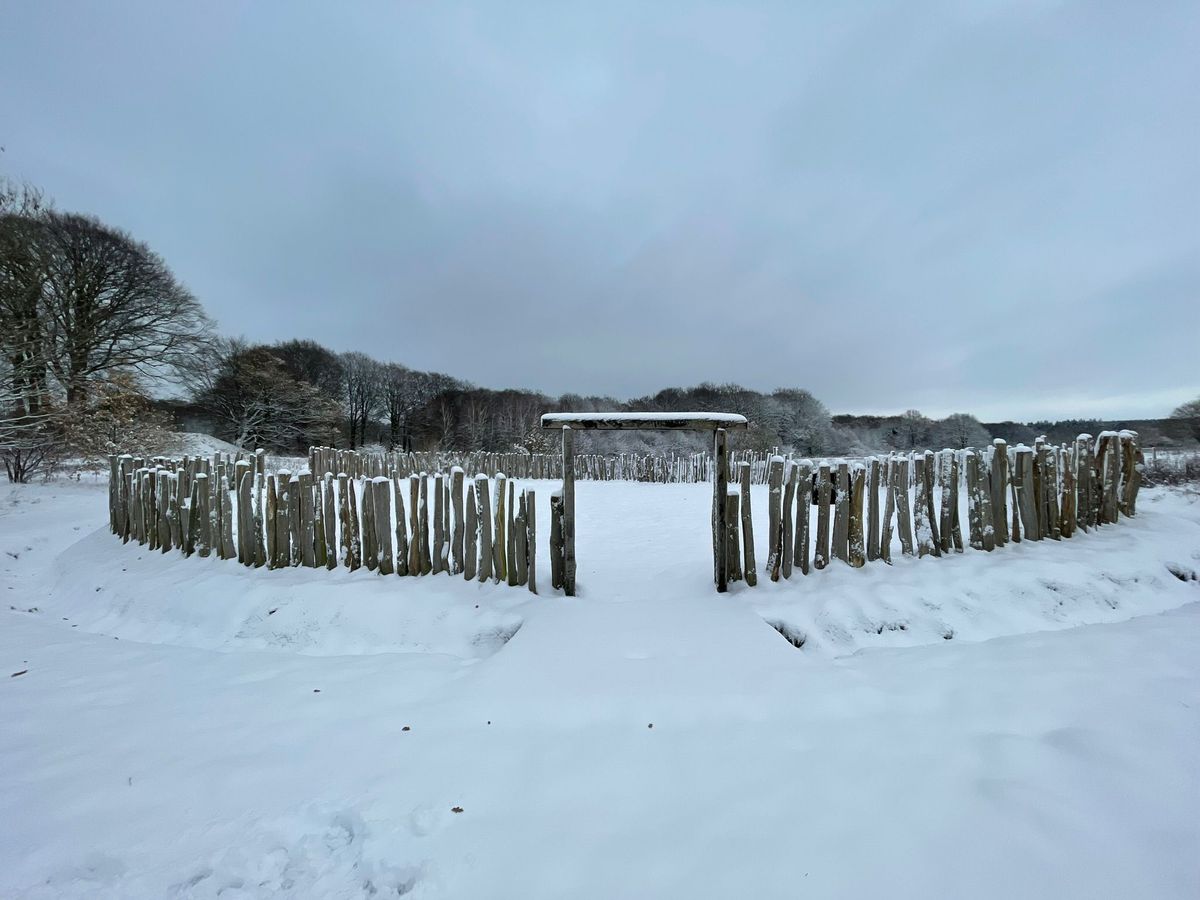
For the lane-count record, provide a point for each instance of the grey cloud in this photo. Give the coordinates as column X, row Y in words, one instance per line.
column 985, row 207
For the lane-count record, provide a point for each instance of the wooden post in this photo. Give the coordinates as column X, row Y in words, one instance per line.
column 856, row 551
column 192, row 532
column 998, row 484
column 974, row 515
column 556, row 541
column 308, row 525
column 471, row 535
column 904, row 519
column 774, row 517
column 245, row 516
column 1050, row 481
column 423, row 523
column 484, row 512
column 748, row 563
column 518, row 571
column 439, row 535
column 821, row 552
column 401, row 525
column 271, row 520
column 499, row 531
column 873, row 509
column 456, row 500
column 1026, row 497
column 370, row 542
column 381, row 489
column 946, row 515
column 329, row 521
column 511, row 535
column 922, row 508
column 889, row 508
column 841, row 515
column 568, row 511
column 531, row 539
column 204, row 539
column 789, row 521
column 803, row 506
column 1066, row 515
column 355, row 557
column 733, row 534
column 343, row 491
column 414, row 524
column 720, row 509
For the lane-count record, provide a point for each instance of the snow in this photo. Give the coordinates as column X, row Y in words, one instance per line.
column 950, row 727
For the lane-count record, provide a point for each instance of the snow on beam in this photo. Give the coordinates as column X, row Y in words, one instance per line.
column 648, row 421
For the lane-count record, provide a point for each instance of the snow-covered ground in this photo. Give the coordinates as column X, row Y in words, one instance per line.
column 950, row 728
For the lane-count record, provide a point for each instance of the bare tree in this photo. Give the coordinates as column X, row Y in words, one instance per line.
column 253, row 400
column 404, row 391
column 959, row 431
column 110, row 303
column 912, row 431
column 1189, row 411
column 362, row 394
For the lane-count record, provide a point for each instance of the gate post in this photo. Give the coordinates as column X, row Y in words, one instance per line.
column 720, row 509
column 568, row 496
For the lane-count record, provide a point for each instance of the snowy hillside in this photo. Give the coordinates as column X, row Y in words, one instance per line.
column 190, row 728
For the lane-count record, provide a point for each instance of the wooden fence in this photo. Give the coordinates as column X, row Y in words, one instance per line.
column 1012, row 494
column 232, row 508
column 683, row 468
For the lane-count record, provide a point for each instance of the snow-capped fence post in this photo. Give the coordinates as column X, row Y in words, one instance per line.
column 423, row 524
column 855, row 551
column 439, row 535
column 1131, row 471
column 889, row 508
column 1023, row 478
column 720, row 509
column 1083, row 482
column 401, row 529
column 733, row 534
column 556, row 541
column 414, row 524
column 789, row 522
column 821, row 552
column 946, row 515
column 499, row 531
column 308, row 521
column 517, row 531
column 531, row 539
column 512, row 510
column 204, row 537
column 800, row 553
column 328, row 535
column 974, row 513
column 904, row 518
column 470, row 535
column 354, row 557
column 456, row 541
column 998, row 485
column 873, row 509
column 381, row 492
column 568, row 511
column 483, row 509
column 370, row 542
column 774, row 516
column 1050, row 484
column 841, row 515
column 922, row 506
column 748, row 563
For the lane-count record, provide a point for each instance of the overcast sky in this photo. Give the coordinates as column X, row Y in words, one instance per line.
column 989, row 207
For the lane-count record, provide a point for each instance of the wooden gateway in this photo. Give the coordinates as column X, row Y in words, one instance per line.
column 562, row 504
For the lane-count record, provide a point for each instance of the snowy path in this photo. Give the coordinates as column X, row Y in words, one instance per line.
column 1056, row 764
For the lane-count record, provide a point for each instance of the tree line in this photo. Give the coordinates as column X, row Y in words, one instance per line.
column 94, row 326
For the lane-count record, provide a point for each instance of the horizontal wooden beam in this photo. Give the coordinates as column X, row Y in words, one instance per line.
column 649, row 421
